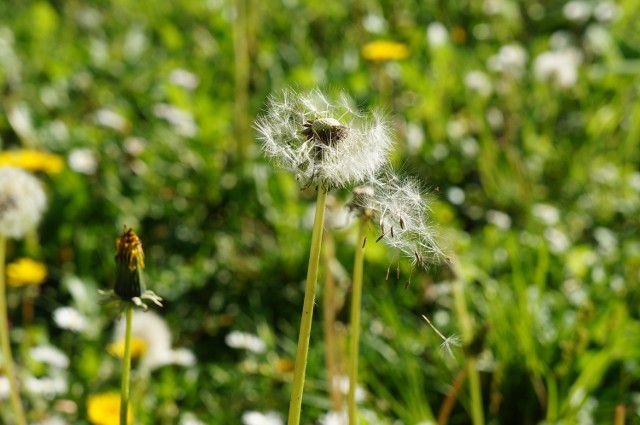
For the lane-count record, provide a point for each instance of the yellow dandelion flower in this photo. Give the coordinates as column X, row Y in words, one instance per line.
column 129, row 262
column 383, row 50
column 104, row 409
column 26, row 271
column 32, row 160
column 138, row 348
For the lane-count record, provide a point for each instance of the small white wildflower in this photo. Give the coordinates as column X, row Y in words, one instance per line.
column 184, row 78
column 53, row 420
column 478, row 82
column 558, row 240
column 83, row 161
column 245, row 341
column 259, row 418
column 598, row 39
column 546, row 213
column 457, row 129
column 499, row 219
column 577, row 11
column 495, row 118
column 70, row 318
column 323, row 142
column 111, row 119
column 606, row 11
column 342, row 383
column 46, row 386
column 456, row 195
column 437, row 34
column 5, row 388
column 607, row 240
column 374, row 24
column 50, row 355
column 22, row 202
column 190, row 419
column 334, row 418
column 561, row 39
column 510, row 60
column 559, row 67
column 183, row 122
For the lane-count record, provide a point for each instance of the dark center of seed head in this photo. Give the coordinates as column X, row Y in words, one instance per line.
column 327, row 131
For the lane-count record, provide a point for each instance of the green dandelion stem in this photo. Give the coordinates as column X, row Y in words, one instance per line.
column 356, row 301
column 6, row 345
column 126, row 367
column 295, row 404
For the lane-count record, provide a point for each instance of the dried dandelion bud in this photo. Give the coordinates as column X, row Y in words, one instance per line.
column 129, row 263
column 129, row 286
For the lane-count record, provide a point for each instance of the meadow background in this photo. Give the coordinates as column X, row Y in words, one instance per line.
column 522, row 119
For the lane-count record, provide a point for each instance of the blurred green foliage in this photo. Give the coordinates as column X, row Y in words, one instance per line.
column 535, row 191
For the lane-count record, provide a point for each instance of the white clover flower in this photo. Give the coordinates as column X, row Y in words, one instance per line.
column 154, row 331
column 437, row 34
column 499, row 219
column 322, row 142
column 559, row 67
column 69, row 318
column 510, row 60
column 258, row 418
column 479, row 82
column 400, row 208
column 83, row 161
column 5, row 388
column 341, row 382
column 22, row 202
column 577, row 11
column 245, row 341
column 110, row 119
column 53, row 420
column 606, row 11
column 546, row 213
column 334, row 418
column 48, row 386
column 182, row 120
column 184, row 78
column 50, row 355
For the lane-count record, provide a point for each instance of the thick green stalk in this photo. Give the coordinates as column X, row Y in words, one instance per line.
column 295, row 404
column 126, row 368
column 356, row 297
column 466, row 328
column 6, row 344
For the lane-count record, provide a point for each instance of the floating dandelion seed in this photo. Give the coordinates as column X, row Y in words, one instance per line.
column 323, row 142
column 453, row 340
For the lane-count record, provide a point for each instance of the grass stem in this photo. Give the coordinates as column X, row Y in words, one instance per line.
column 6, row 344
column 295, row 405
column 356, row 301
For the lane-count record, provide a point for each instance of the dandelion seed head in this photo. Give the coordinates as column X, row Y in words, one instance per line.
column 321, row 141
column 22, row 202
column 400, row 207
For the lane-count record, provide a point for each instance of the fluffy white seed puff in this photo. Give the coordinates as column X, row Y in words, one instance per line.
column 22, row 202
column 401, row 209
column 321, row 141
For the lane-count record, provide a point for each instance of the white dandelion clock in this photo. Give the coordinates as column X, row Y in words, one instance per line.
column 322, row 142
column 22, row 202
column 401, row 209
